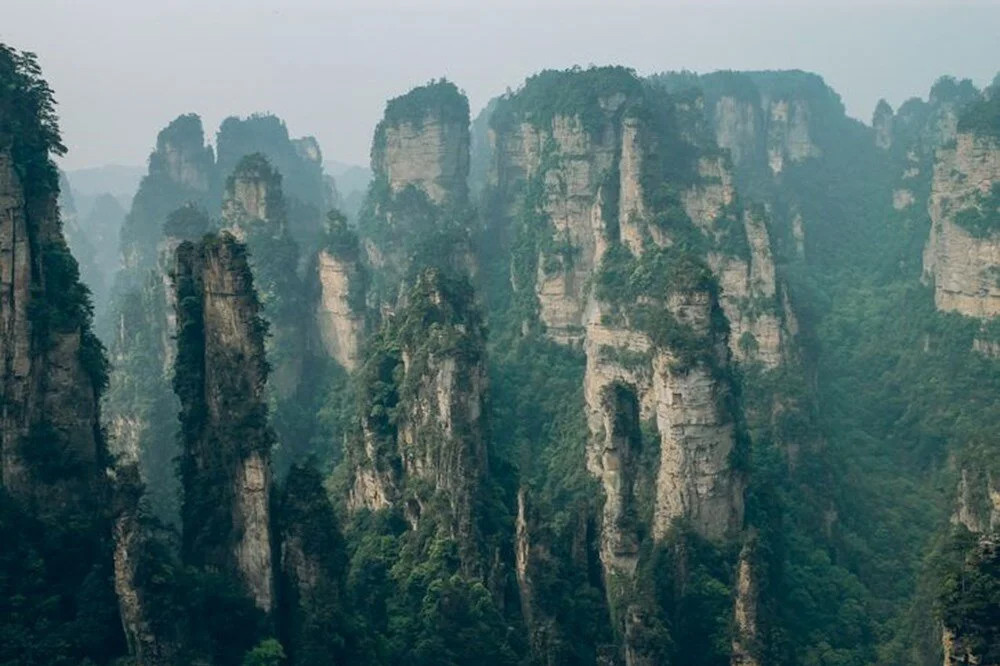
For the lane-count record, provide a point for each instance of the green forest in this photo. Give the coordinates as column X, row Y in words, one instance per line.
column 683, row 369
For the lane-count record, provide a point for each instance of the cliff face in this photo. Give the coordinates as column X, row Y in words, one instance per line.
column 583, row 189
column 55, row 518
column 963, row 252
column 181, row 170
column 416, row 213
column 631, row 380
column 343, row 283
column 422, row 441
column 254, row 194
column 752, row 119
column 152, row 639
column 568, row 196
column 644, row 279
column 220, row 378
column 52, row 450
column 182, row 156
column 423, row 141
column 340, row 323
column 254, row 211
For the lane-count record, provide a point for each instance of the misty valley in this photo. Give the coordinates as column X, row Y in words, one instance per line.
column 620, row 370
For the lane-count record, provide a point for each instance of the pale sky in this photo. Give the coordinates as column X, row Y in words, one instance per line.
column 122, row 69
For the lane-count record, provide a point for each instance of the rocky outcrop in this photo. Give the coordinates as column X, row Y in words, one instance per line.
column 254, row 211
column 962, row 256
column 882, row 124
column 152, row 638
column 788, row 132
column 759, row 117
column 51, row 367
column 181, row 154
column 977, row 506
column 759, row 330
column 339, row 316
column 181, row 170
column 423, row 388
column 584, row 186
column 629, row 380
column 616, row 267
column 423, row 141
column 220, row 377
column 559, row 170
column 745, row 623
column 253, row 194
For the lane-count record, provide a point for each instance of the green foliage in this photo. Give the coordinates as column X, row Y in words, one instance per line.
column 982, row 219
column 421, row 609
column 314, row 620
column 341, row 241
column 691, row 582
column 571, row 93
column 411, row 233
column 969, row 597
column 981, row 117
column 438, row 99
column 57, row 605
column 189, row 222
column 266, row 653
column 29, row 127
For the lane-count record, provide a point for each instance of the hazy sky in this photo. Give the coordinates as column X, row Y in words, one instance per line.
column 122, row 69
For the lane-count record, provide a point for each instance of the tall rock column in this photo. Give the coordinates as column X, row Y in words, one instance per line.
column 51, row 450
column 422, row 441
column 254, row 211
column 55, row 518
column 343, row 283
column 416, row 214
column 220, row 377
column 962, row 256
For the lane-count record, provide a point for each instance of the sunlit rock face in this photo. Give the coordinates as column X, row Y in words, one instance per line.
column 964, row 264
column 423, row 141
column 339, row 318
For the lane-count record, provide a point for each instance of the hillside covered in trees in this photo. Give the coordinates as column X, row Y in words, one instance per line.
column 687, row 369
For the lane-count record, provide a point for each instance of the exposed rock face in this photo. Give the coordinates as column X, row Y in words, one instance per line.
column 745, row 611
column 220, row 379
column 566, row 170
column 181, row 154
column 423, row 141
column 423, row 433
column 254, row 212
column 341, row 324
column 778, row 123
column 788, row 133
column 578, row 190
column 963, row 265
column 882, row 123
column 629, row 380
column 149, row 641
column 749, row 297
column 562, row 168
column 49, row 397
column 253, row 193
column 978, row 502
column 738, row 125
